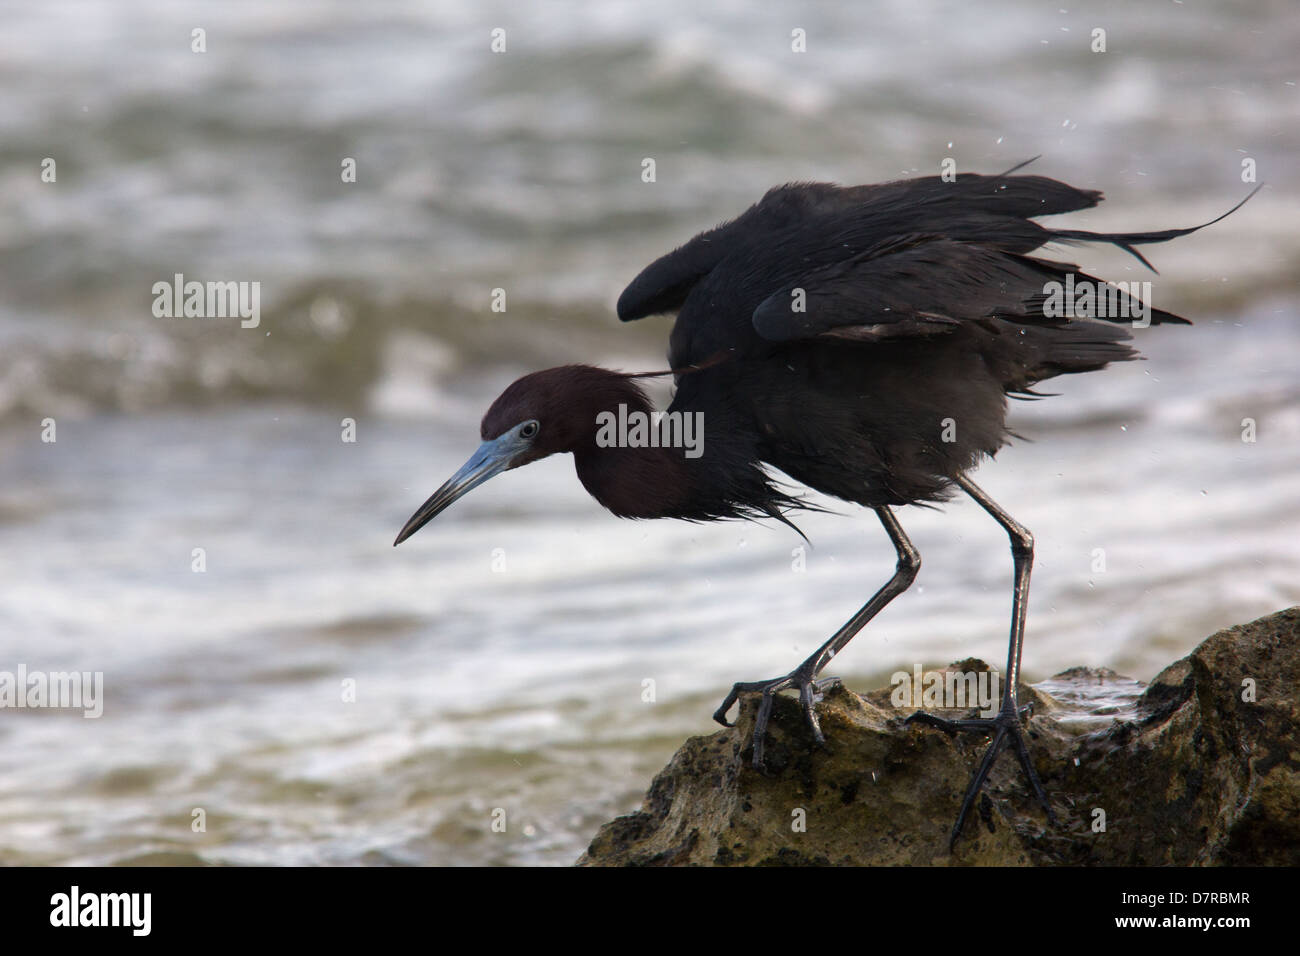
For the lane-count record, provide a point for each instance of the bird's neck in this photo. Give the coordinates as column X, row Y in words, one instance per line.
column 639, row 463
column 636, row 481
column 629, row 458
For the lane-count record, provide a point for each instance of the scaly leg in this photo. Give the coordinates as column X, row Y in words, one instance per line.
column 1005, row 727
column 804, row 676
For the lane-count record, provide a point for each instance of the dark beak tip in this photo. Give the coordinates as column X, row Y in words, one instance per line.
column 490, row 459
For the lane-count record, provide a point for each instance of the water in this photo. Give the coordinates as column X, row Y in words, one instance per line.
column 499, row 659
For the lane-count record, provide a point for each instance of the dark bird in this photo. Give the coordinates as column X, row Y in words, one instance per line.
column 862, row 340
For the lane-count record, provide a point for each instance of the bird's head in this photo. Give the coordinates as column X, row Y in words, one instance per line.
column 538, row 415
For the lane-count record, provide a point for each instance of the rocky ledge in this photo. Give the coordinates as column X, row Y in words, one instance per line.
column 1201, row 767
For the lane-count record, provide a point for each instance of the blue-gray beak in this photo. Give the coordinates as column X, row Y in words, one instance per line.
column 492, row 458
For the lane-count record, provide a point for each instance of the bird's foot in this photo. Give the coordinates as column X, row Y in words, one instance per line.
column 1006, row 728
column 810, row 692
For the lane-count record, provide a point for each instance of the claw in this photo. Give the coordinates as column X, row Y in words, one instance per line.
column 810, row 692
column 720, row 715
column 1006, row 729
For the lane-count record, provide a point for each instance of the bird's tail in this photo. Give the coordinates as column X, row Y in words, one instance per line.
column 1079, row 346
column 1127, row 240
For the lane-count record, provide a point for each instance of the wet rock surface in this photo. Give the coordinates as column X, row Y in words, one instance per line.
column 1201, row 767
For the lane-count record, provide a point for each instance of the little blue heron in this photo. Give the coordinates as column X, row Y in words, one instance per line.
column 863, row 341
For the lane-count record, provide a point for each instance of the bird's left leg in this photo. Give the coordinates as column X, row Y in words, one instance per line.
column 804, row 677
column 1006, row 727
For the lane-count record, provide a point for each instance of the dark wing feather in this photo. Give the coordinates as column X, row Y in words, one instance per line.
column 972, row 206
column 993, row 212
column 921, row 285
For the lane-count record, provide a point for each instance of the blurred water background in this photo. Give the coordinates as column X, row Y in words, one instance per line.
column 522, row 688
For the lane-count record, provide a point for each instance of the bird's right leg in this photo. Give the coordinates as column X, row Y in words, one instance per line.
column 1007, row 727
column 804, row 677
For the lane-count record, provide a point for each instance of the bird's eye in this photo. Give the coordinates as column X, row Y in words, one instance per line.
column 530, row 429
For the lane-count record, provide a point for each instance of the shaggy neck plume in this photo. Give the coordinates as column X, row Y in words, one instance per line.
column 615, row 463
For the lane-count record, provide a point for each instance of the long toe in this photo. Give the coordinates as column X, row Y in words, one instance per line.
column 810, row 692
column 720, row 715
column 808, row 696
column 1031, row 774
column 1007, row 731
